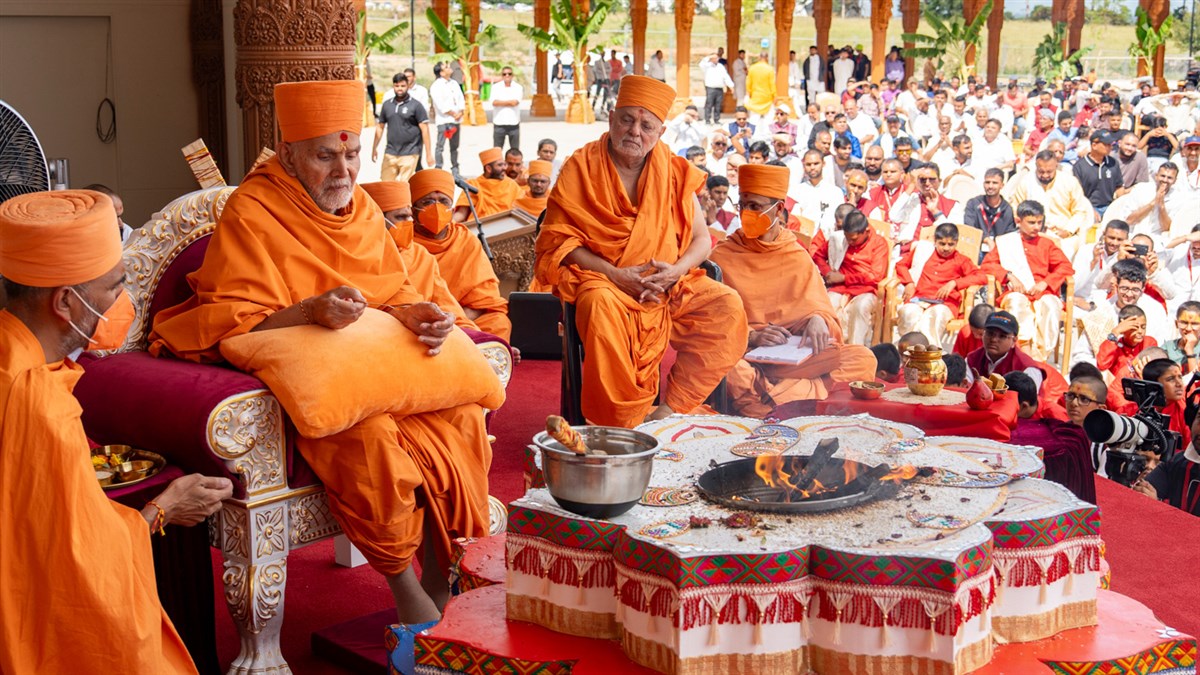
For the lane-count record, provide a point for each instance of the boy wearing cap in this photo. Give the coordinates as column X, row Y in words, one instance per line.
column 497, row 191
column 1001, row 355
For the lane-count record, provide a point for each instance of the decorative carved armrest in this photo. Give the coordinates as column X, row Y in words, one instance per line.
column 246, row 432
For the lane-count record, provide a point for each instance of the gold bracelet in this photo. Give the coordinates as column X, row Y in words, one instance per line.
column 304, row 312
column 160, row 520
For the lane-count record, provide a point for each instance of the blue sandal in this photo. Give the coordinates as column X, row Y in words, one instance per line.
column 400, row 640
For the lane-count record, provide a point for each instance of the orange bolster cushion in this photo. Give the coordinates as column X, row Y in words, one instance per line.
column 330, row 380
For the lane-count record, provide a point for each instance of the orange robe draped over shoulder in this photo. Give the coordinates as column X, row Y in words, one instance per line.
column 272, row 248
column 625, row 340
column 77, row 577
column 779, row 284
column 495, row 195
column 470, row 276
column 530, row 204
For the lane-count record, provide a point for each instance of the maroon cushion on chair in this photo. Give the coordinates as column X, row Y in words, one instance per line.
column 173, row 288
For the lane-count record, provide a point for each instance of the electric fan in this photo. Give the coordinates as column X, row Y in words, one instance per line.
column 23, row 166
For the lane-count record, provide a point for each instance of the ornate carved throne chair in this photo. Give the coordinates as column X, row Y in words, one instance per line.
column 218, row 421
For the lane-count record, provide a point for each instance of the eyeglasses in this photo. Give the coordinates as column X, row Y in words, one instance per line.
column 719, row 144
column 756, row 208
column 1072, row 397
column 506, row 74
column 929, row 179
column 1130, row 289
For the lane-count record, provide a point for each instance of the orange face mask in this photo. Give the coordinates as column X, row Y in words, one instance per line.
column 113, row 326
column 435, row 218
column 756, row 223
column 402, row 233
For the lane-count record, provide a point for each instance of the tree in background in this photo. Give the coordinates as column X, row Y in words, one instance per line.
column 459, row 42
column 1147, row 43
column 573, row 25
column 367, row 42
column 947, row 46
column 1050, row 59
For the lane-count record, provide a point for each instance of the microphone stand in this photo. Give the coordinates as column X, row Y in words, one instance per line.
column 487, row 250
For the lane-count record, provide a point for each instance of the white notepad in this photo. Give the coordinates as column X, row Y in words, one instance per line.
column 790, row 353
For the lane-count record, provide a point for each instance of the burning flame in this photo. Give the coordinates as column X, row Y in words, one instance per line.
column 903, row 473
column 770, row 469
column 851, row 469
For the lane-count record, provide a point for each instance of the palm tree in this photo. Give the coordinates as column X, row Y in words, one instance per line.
column 1050, row 59
column 1149, row 41
column 574, row 24
column 950, row 41
column 460, row 42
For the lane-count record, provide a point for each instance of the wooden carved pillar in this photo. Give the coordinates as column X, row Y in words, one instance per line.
column 208, row 73
column 733, row 29
column 881, row 15
column 995, row 27
column 1075, row 18
column 685, row 11
column 286, row 41
column 1058, row 14
column 910, row 18
column 783, row 45
column 1157, row 10
column 542, row 104
column 970, row 11
column 823, row 17
column 637, row 21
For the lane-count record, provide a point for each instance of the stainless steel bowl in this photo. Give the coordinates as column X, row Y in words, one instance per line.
column 599, row 486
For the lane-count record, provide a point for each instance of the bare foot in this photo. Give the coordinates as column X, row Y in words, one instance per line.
column 413, row 604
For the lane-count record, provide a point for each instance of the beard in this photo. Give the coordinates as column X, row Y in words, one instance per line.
column 332, row 195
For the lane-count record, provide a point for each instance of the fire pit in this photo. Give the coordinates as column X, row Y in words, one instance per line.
column 800, row 484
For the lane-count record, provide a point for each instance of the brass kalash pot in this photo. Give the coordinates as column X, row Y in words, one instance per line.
column 924, row 371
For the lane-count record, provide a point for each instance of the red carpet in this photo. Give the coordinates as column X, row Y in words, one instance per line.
column 1151, row 546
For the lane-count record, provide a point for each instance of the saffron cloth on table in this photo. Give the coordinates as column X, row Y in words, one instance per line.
column 995, row 423
column 780, row 285
column 274, row 247
column 625, row 340
column 471, row 278
column 78, row 574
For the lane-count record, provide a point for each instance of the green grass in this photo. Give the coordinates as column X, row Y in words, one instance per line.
column 708, row 32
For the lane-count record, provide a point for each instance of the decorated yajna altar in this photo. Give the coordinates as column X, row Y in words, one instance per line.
column 928, row 553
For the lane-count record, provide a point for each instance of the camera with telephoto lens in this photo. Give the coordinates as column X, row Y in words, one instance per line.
column 1131, row 440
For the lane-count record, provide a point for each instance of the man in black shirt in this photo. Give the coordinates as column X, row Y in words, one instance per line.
column 990, row 212
column 407, row 125
column 1099, row 174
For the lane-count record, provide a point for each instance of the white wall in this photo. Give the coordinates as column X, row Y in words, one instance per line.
column 53, row 59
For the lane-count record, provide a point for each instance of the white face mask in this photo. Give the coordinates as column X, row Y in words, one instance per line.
column 91, row 309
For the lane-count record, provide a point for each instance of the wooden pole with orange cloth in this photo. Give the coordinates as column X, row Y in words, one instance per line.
column 622, row 238
column 460, row 256
column 297, row 244
column 784, row 296
column 395, row 200
column 79, row 583
column 537, row 191
column 497, row 192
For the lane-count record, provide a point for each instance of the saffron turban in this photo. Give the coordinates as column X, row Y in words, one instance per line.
column 389, row 194
column 490, row 155
column 761, row 179
column 60, row 238
column 311, row 109
column 431, row 180
column 646, row 92
column 540, row 167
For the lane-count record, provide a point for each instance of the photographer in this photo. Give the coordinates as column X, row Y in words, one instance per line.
column 1167, row 373
column 1177, row 479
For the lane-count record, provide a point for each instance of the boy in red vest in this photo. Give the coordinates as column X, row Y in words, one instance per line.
column 934, row 276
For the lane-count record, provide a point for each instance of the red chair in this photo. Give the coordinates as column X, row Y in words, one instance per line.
column 218, row 421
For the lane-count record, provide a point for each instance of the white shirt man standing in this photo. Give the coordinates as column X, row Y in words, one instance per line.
column 506, row 110
column 740, row 69
column 448, row 104
column 716, row 81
